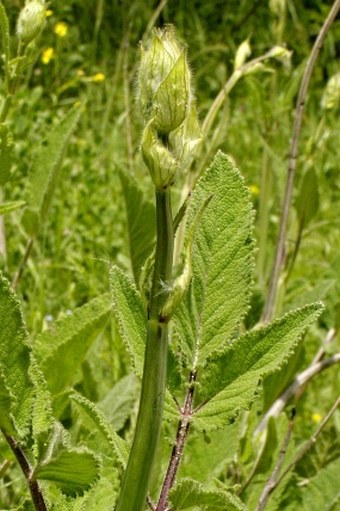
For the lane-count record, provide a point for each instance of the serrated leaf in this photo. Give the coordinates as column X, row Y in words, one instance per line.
column 307, row 202
column 230, row 380
column 6, row 147
column 73, row 470
column 141, row 220
column 16, row 389
column 42, row 415
column 118, row 403
column 189, row 493
column 222, row 263
column 131, row 316
column 61, row 349
column 45, row 172
column 7, row 207
column 103, row 426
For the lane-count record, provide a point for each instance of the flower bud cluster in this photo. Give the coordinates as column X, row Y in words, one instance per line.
column 31, row 20
column 164, row 93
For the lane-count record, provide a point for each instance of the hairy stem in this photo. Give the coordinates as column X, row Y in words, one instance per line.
column 143, row 451
column 269, row 308
column 177, row 450
column 37, row 496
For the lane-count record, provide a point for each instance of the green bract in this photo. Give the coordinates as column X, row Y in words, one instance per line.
column 165, row 97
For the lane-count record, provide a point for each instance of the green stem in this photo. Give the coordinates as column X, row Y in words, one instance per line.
column 143, row 451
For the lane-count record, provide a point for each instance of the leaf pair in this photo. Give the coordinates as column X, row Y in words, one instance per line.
column 206, row 325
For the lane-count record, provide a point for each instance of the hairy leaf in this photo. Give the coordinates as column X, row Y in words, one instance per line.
column 42, row 415
column 100, row 423
column 74, row 470
column 45, row 172
column 16, row 389
column 230, row 380
column 189, row 493
column 131, row 316
column 222, row 263
column 61, row 349
column 141, row 220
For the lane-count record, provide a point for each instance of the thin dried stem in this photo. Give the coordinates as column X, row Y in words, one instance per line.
column 271, row 482
column 299, row 382
column 269, row 308
column 37, row 496
column 309, row 444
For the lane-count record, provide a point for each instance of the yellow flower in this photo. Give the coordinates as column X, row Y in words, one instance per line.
column 61, row 28
column 316, row 417
column 254, row 190
column 47, row 56
column 98, row 78
column 48, row 13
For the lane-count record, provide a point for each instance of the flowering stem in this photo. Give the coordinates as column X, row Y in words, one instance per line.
column 143, row 451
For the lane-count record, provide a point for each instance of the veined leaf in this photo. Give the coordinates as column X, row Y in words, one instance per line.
column 141, row 220
column 45, row 172
column 189, row 493
column 222, row 263
column 61, row 349
column 74, row 470
column 230, row 380
column 42, row 415
column 131, row 316
column 102, row 425
column 16, row 389
column 7, row 207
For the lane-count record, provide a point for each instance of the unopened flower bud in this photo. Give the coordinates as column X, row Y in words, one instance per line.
column 157, row 157
column 164, row 81
column 242, row 53
column 31, row 20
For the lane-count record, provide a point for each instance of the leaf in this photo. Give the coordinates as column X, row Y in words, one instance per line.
column 222, row 263
column 130, row 315
column 118, row 403
column 61, row 349
column 45, row 172
column 230, row 380
column 42, row 414
column 102, row 425
column 322, row 492
column 141, row 220
column 307, row 203
column 74, row 470
column 189, row 493
column 6, row 147
column 15, row 384
column 7, row 207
